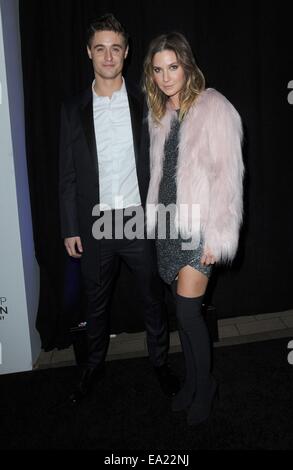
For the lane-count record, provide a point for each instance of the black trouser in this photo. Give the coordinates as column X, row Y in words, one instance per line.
column 140, row 257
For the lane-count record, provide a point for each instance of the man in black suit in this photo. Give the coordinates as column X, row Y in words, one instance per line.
column 104, row 160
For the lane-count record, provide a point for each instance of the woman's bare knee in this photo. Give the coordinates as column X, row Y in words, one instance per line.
column 191, row 283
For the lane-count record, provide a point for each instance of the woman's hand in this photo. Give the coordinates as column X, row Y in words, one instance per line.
column 207, row 258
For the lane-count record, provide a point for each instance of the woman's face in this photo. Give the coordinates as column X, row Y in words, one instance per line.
column 168, row 74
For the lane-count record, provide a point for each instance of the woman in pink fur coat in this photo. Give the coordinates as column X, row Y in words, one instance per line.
column 197, row 173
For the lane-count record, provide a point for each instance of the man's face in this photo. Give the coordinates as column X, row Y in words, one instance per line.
column 108, row 53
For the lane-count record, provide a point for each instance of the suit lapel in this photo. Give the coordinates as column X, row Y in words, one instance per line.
column 136, row 122
column 87, row 121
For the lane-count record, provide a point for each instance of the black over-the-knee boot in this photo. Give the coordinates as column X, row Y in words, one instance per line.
column 185, row 396
column 197, row 354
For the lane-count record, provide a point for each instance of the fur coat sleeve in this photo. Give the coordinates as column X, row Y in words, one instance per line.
column 221, row 232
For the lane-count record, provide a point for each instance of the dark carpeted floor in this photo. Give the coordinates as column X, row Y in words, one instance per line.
column 127, row 410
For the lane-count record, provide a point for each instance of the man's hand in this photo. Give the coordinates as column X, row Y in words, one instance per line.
column 73, row 246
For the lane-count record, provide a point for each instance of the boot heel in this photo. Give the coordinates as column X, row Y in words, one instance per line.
column 197, row 414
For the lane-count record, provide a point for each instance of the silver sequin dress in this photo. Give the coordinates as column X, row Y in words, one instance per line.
column 171, row 256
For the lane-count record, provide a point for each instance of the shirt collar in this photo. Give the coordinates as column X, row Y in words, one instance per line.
column 118, row 93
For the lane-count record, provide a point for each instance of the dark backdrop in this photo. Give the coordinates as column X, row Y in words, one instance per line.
column 243, row 48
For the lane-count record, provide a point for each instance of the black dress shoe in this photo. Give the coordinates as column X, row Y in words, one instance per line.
column 90, row 375
column 169, row 383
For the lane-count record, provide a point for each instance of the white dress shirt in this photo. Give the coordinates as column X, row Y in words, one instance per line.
column 117, row 167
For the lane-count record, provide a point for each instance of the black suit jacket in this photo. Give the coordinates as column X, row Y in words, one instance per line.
column 79, row 172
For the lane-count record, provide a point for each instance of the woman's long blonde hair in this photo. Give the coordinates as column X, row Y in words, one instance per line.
column 195, row 81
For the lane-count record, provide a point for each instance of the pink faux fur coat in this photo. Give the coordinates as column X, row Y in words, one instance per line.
column 209, row 171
